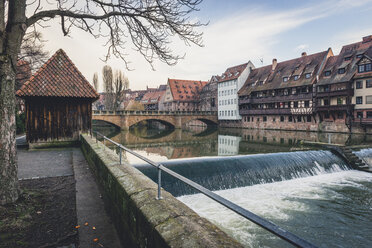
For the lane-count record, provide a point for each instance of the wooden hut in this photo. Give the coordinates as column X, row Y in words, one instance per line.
column 58, row 102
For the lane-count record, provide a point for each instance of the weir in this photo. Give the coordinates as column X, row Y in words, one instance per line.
column 218, row 173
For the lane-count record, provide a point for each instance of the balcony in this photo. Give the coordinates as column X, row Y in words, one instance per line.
column 270, row 99
column 280, row 111
column 345, row 92
column 344, row 107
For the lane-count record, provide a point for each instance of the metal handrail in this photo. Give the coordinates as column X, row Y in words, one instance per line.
column 269, row 226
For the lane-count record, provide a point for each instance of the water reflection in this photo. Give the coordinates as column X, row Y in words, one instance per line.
column 195, row 141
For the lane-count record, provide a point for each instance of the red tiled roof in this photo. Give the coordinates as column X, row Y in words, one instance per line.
column 232, row 72
column 23, row 73
column 58, row 77
column 185, row 90
column 152, row 97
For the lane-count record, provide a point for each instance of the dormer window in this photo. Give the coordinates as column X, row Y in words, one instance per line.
column 327, row 73
column 308, row 75
column 236, row 73
column 296, row 77
column 347, row 58
column 341, row 70
column 359, row 55
column 285, row 79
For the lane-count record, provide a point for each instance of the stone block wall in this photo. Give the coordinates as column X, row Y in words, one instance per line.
column 140, row 219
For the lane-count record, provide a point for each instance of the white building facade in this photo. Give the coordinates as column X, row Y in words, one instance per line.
column 228, row 86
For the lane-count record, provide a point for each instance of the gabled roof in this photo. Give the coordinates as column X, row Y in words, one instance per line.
column 347, row 59
column 23, row 73
column 152, row 97
column 232, row 73
column 58, row 77
column 264, row 78
column 185, row 90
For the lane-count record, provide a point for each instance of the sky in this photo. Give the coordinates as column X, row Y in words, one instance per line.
column 238, row 31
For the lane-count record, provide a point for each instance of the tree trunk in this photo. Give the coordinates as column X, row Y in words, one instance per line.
column 11, row 35
column 8, row 163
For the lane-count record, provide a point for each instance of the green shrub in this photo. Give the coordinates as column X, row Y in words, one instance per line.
column 20, row 123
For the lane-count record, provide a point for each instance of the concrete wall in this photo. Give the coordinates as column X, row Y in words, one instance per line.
column 140, row 219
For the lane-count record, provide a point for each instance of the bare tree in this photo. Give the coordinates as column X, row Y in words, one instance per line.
column 95, row 81
column 149, row 25
column 107, row 78
column 121, row 84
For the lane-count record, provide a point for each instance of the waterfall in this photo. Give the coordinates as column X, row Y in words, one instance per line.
column 218, row 173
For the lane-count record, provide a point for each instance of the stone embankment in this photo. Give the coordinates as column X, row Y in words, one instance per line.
column 142, row 220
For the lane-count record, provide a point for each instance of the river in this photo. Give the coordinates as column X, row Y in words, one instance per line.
column 313, row 194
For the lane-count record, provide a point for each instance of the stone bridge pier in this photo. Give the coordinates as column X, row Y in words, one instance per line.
column 178, row 119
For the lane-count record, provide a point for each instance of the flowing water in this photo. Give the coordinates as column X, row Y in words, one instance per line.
column 313, row 194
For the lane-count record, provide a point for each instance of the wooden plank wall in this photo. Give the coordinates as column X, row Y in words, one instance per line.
column 55, row 118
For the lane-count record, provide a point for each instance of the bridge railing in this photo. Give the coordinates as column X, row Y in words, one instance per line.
column 152, row 112
column 271, row 227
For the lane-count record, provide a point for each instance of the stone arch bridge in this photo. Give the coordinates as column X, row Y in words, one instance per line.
column 177, row 119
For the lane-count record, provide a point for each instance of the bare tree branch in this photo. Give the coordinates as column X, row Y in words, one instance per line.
column 150, row 25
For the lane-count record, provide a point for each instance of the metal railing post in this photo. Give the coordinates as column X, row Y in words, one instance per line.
column 120, row 153
column 104, row 143
column 159, row 197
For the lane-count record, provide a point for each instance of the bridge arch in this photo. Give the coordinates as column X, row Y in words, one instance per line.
column 164, row 122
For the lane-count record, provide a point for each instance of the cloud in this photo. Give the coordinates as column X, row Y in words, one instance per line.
column 301, row 47
column 248, row 34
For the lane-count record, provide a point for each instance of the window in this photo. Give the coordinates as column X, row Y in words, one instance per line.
column 265, row 118
column 347, row 58
column 308, row 119
column 274, row 119
column 359, row 55
column 285, row 79
column 307, row 104
column 341, row 70
column 359, row 100
column 369, row 83
column 325, row 102
column 281, row 118
column 327, row 73
column 296, row 77
column 365, row 68
column 359, row 85
column 326, row 116
column 290, row 119
column 359, row 115
column 369, row 114
column 340, row 115
column 295, row 104
column 368, row 99
column 308, row 75
column 298, row 118
column 339, row 101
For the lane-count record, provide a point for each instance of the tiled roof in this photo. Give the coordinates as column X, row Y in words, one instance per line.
column 348, row 59
column 264, row 78
column 58, row 77
column 23, row 73
column 152, row 97
column 232, row 72
column 185, row 90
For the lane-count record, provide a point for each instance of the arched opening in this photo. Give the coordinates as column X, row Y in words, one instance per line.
column 106, row 128
column 151, row 129
column 201, row 127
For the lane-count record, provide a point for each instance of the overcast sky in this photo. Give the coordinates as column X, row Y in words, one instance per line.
column 238, row 31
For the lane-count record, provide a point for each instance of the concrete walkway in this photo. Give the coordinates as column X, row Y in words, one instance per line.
column 89, row 204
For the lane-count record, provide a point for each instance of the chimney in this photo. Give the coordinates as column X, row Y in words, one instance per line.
column 303, row 54
column 273, row 66
column 367, row 38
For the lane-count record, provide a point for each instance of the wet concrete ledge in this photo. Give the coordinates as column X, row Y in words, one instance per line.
column 140, row 219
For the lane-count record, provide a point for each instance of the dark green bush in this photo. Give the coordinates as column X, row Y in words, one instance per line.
column 20, row 123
